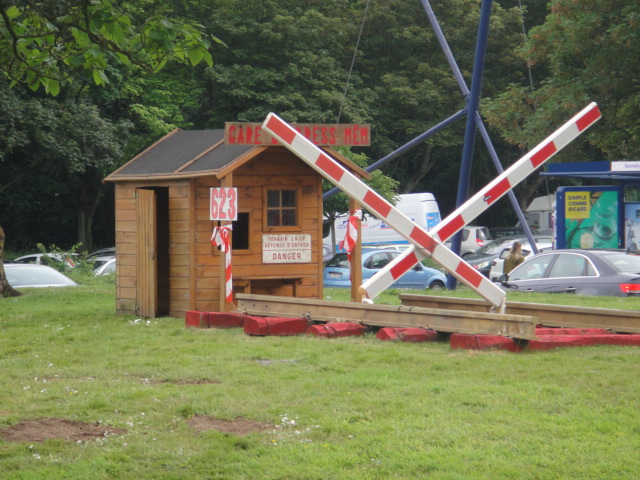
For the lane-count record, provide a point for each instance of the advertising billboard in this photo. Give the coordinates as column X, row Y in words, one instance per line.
column 590, row 217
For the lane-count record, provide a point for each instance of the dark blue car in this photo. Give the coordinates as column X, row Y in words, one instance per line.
column 337, row 272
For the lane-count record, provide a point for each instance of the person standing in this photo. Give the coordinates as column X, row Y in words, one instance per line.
column 514, row 257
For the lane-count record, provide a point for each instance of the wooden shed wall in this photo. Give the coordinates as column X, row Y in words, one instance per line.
column 194, row 264
column 272, row 169
column 179, row 238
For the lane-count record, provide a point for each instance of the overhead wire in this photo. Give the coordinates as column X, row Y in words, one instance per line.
column 353, row 61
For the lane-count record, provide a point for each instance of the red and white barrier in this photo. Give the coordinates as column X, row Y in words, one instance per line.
column 355, row 188
column 351, row 235
column 486, row 197
column 220, row 238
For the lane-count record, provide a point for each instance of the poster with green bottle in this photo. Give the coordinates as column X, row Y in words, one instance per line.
column 589, row 217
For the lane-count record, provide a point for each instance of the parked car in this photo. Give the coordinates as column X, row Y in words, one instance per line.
column 485, row 257
column 543, row 243
column 337, row 272
column 473, row 238
column 105, row 267
column 24, row 275
column 69, row 259
column 583, row 272
column 103, row 252
column 517, row 231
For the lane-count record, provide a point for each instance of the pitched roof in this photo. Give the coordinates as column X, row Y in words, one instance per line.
column 192, row 153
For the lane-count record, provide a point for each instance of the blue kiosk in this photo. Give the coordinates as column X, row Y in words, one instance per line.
column 606, row 216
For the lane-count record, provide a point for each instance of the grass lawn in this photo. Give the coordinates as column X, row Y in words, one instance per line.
column 353, row 408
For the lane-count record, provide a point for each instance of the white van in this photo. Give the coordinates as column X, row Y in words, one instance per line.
column 421, row 208
column 539, row 214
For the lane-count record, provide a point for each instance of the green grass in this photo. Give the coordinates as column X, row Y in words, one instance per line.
column 363, row 409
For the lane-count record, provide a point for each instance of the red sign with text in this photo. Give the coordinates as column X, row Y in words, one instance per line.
column 320, row 134
column 223, row 204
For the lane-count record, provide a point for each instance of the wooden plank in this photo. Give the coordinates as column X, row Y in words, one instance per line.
column 192, row 245
column 147, row 276
column 452, row 321
column 616, row 320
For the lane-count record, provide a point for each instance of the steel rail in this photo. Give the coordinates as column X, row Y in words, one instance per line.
column 616, row 320
column 438, row 319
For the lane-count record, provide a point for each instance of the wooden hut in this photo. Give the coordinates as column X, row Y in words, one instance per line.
column 166, row 263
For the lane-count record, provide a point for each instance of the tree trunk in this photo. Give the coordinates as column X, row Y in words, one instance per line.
column 6, row 290
column 85, row 224
column 425, row 166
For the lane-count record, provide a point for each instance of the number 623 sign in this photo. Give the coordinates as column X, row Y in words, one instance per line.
column 223, row 204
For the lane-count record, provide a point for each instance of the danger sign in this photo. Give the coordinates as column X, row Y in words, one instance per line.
column 286, row 248
column 223, row 204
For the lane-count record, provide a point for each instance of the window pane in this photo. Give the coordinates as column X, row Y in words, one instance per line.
column 273, row 198
column 534, row 268
column 273, row 218
column 288, row 198
column 568, row 266
column 288, row 217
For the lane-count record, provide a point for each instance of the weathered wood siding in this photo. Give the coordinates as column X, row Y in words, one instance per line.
column 194, row 264
column 178, row 249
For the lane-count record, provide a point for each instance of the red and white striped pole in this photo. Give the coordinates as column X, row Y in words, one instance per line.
column 355, row 188
column 482, row 200
column 220, row 238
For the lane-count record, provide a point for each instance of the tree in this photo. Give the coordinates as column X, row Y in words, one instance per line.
column 587, row 51
column 51, row 43
column 414, row 88
column 285, row 56
column 6, row 290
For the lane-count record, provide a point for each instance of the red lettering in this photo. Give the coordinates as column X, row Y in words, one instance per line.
column 232, row 134
column 364, row 133
column 354, row 135
column 347, row 136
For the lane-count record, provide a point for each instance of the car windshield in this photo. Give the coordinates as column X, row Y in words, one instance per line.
column 338, row 260
column 493, row 247
column 624, row 262
column 37, row 275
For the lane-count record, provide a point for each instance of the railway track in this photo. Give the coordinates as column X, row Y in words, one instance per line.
column 445, row 314
column 615, row 320
column 439, row 319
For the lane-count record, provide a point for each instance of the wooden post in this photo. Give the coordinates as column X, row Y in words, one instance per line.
column 356, row 257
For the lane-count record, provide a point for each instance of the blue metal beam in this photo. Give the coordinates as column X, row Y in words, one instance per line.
column 473, row 103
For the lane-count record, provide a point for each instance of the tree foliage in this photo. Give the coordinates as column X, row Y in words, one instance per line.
column 50, row 43
column 585, row 51
column 101, row 59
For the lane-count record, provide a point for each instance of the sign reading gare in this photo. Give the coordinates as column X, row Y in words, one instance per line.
column 320, row 134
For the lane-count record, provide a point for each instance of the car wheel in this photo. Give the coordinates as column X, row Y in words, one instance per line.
column 436, row 285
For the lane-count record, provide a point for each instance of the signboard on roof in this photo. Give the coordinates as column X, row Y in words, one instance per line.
column 320, row 134
column 625, row 166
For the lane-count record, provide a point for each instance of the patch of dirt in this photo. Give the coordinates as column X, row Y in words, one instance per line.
column 182, row 382
column 239, row 426
column 41, row 429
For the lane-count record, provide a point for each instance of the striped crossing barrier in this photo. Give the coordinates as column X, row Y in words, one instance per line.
column 482, row 200
column 381, row 208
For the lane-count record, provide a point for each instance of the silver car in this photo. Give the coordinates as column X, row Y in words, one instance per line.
column 581, row 272
column 32, row 275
